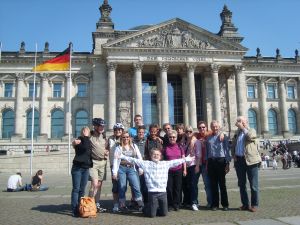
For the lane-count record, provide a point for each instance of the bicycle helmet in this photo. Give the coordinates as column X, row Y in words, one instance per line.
column 119, row 126
column 98, row 122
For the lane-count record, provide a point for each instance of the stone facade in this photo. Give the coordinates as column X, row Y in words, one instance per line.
column 172, row 58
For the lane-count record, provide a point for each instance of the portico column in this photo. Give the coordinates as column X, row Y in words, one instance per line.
column 138, row 92
column 43, row 105
column 192, row 95
column 19, row 110
column 112, row 107
column 68, row 125
column 241, row 91
column 283, row 108
column 164, row 92
column 216, row 92
column 185, row 101
column 263, row 107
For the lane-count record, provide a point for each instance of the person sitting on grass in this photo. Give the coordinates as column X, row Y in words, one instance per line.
column 156, row 176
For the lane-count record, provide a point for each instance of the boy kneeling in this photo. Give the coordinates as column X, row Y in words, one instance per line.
column 156, row 177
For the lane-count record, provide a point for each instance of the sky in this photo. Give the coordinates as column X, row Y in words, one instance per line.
column 267, row 24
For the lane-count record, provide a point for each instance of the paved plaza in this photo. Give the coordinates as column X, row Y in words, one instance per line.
column 279, row 204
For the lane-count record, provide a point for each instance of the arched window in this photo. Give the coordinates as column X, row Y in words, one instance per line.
column 81, row 120
column 292, row 121
column 8, row 123
column 36, row 129
column 57, row 123
column 272, row 120
column 252, row 119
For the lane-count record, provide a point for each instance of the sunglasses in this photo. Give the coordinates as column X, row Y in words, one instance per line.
column 189, row 132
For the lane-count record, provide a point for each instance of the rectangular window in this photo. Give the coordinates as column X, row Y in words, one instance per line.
column 291, row 92
column 57, row 90
column 175, row 99
column 8, row 90
column 30, row 91
column 271, row 91
column 82, row 90
column 150, row 110
column 250, row 91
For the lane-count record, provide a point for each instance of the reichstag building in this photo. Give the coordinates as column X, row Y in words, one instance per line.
column 172, row 72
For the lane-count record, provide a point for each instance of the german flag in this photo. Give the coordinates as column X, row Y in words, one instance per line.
column 60, row 63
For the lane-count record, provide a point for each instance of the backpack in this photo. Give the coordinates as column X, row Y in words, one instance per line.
column 87, row 207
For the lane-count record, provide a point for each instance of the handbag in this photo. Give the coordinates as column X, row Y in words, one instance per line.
column 87, row 207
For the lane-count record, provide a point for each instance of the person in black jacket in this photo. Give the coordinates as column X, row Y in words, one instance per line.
column 36, row 183
column 80, row 169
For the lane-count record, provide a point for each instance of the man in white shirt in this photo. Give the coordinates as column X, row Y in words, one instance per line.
column 15, row 183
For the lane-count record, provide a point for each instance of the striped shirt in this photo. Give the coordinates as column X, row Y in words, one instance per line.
column 156, row 173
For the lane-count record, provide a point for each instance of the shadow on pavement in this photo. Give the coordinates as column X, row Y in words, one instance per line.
column 64, row 209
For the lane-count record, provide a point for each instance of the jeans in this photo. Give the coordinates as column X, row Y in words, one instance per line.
column 206, row 182
column 243, row 170
column 17, row 189
column 129, row 173
column 194, row 178
column 80, row 178
column 43, row 187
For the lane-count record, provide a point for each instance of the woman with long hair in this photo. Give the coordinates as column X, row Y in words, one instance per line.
column 124, row 170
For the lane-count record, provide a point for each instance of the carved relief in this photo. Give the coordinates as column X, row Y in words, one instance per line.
column 123, row 81
column 173, row 37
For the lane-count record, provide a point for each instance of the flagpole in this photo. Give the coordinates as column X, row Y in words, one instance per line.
column 69, row 113
column 32, row 115
column 0, row 50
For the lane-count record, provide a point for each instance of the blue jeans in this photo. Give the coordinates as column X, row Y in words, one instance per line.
column 129, row 173
column 194, row 178
column 80, row 178
column 206, row 182
column 243, row 170
column 43, row 188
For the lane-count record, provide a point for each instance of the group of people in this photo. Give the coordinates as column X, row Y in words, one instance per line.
column 15, row 184
column 163, row 167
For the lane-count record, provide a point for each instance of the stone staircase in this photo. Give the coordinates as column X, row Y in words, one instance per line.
column 50, row 162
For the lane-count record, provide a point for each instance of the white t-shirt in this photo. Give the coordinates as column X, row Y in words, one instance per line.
column 14, row 181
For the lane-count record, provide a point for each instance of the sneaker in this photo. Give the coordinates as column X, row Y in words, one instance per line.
column 123, row 209
column 214, row 208
column 141, row 208
column 99, row 208
column 194, row 207
column 225, row 208
column 116, row 209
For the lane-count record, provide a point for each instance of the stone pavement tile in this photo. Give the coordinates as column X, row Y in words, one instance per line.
column 215, row 223
column 293, row 220
column 261, row 222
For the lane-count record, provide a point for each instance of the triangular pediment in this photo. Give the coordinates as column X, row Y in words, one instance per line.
column 175, row 34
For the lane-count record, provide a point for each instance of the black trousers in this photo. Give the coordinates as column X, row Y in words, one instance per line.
column 157, row 204
column 174, row 188
column 216, row 173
